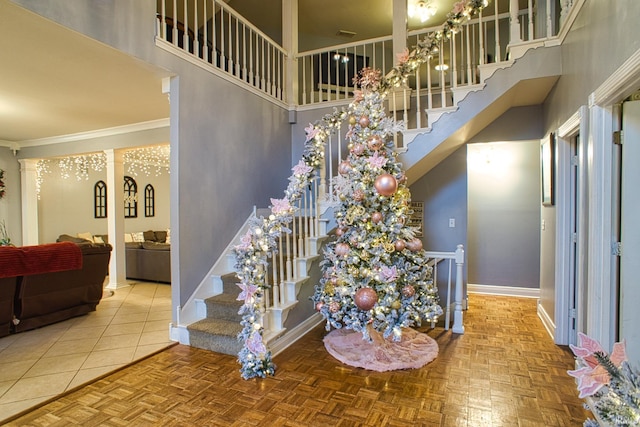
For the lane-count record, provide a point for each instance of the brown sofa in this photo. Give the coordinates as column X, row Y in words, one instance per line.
column 52, row 296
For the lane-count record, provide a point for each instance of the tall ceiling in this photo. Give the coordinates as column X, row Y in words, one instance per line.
column 54, row 81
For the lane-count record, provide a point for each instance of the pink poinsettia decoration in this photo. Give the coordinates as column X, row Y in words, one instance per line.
column 403, row 56
column 245, row 242
column 377, row 161
column 389, row 274
column 280, row 206
column 247, row 293
column 255, row 344
column 301, row 168
column 311, row 131
column 358, row 95
column 594, row 376
column 459, row 7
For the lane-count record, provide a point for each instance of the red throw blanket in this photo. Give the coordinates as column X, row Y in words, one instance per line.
column 26, row 260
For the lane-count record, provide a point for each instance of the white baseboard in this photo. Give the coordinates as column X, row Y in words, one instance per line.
column 294, row 334
column 508, row 291
column 546, row 321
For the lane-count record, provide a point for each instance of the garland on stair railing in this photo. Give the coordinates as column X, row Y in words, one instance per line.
column 261, row 239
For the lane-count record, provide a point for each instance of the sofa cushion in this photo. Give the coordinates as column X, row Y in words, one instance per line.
column 149, row 236
column 72, row 239
column 138, row 237
column 155, row 246
column 161, row 236
column 133, row 245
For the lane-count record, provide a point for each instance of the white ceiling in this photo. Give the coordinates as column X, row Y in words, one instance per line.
column 54, row 81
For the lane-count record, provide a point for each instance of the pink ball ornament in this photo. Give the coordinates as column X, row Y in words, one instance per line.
column 341, row 249
column 358, row 195
column 375, row 143
column 365, row 298
column 319, row 306
column 408, row 291
column 344, row 168
column 414, row 244
column 376, row 217
column 334, row 307
column 386, row 184
column 364, row 121
column 399, row 245
column 339, row 231
column 357, row 149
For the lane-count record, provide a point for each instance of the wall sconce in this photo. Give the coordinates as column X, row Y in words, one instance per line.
column 422, row 9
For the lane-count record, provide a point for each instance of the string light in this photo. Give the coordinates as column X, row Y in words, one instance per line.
column 147, row 160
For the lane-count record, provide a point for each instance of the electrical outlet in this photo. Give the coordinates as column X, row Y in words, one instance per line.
column 452, row 222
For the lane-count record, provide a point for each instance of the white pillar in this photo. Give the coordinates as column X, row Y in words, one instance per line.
column 115, row 219
column 290, row 45
column 514, row 22
column 29, row 193
column 458, row 324
column 399, row 27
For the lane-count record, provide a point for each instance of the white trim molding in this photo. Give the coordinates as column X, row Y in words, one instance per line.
column 279, row 344
column 546, row 321
column 509, row 291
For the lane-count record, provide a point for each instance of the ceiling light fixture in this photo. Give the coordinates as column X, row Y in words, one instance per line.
column 422, row 9
column 441, row 67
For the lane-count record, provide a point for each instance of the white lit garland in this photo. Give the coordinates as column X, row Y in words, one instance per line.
column 261, row 238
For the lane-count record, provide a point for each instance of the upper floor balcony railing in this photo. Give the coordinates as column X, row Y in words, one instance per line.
column 212, row 34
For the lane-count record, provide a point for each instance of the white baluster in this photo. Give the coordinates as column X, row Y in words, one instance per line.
column 262, row 65
column 458, row 325
column 311, row 71
column 443, row 98
column 289, row 267
column 549, row 22
column 281, row 261
column 163, row 23
column 418, row 94
column 481, row 38
column 185, row 35
column 454, row 62
column 214, row 38
column 514, row 22
column 307, row 225
column 275, row 287
column 447, row 317
column 196, row 31
column 530, row 12
column 229, row 49
column 237, row 70
column 205, row 47
column 174, row 38
column 303, row 63
column 266, row 299
column 497, row 32
column 470, row 79
column 316, row 205
column 429, row 91
column 328, row 164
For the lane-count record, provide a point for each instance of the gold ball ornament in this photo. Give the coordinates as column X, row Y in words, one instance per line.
column 408, row 291
column 365, row 298
column 352, row 120
column 396, row 305
column 364, row 121
column 341, row 249
column 329, row 289
column 386, row 184
column 414, row 245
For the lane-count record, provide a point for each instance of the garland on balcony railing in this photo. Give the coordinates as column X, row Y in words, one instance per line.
column 261, row 238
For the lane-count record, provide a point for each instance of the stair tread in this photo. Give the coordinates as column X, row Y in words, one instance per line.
column 224, row 299
column 216, row 327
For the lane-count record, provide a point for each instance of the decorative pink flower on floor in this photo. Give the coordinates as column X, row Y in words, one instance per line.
column 311, row 132
column 280, row 205
column 247, row 293
column 245, row 242
column 255, row 344
column 377, row 161
column 403, row 56
column 389, row 274
column 301, row 168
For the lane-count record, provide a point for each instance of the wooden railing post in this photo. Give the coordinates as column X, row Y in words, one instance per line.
column 458, row 326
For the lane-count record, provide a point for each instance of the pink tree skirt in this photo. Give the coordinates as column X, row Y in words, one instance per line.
column 414, row 350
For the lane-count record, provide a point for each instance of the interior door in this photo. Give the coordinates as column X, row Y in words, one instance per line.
column 629, row 314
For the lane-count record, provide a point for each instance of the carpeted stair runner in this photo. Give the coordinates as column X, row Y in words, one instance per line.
column 219, row 330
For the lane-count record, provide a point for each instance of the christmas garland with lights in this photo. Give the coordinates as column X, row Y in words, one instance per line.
column 2, row 187
column 261, row 238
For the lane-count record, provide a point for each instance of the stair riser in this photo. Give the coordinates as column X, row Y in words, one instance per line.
column 217, row 343
column 223, row 311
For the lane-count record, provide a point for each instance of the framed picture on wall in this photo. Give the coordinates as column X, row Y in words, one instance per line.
column 547, row 173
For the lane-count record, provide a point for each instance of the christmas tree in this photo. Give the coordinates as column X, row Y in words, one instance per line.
column 375, row 276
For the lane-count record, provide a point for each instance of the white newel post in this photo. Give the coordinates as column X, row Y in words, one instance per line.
column 399, row 26
column 458, row 326
column 514, row 22
column 115, row 219
column 290, row 45
column 29, row 195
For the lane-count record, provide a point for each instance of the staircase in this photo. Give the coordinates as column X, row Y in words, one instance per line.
column 219, row 330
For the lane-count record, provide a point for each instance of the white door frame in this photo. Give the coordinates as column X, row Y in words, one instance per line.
column 601, row 277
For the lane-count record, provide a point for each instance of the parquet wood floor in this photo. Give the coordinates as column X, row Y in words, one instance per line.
column 504, row 371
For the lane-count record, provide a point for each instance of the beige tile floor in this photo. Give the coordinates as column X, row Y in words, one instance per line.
column 127, row 325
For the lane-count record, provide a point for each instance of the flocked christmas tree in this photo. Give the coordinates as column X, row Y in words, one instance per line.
column 375, row 276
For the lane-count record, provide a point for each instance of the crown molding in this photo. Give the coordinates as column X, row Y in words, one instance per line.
column 100, row 133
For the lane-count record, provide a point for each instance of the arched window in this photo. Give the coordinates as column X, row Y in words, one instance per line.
column 130, row 197
column 100, row 200
column 149, row 201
